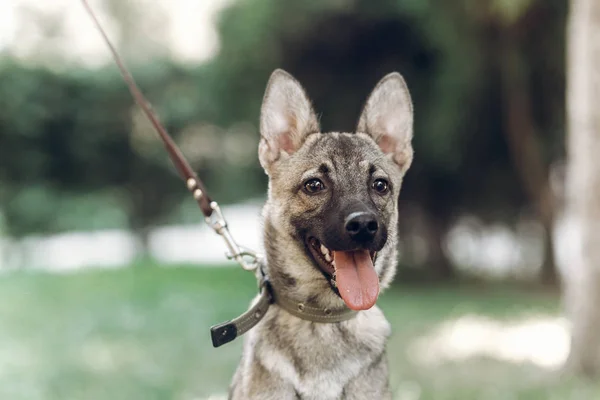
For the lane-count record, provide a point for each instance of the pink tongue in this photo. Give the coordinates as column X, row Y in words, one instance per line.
column 356, row 279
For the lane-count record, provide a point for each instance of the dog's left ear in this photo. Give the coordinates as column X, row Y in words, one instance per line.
column 388, row 119
column 286, row 118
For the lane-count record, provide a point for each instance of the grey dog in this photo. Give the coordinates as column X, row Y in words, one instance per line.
column 330, row 235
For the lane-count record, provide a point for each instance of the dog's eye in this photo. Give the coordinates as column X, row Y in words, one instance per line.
column 314, row 185
column 380, row 186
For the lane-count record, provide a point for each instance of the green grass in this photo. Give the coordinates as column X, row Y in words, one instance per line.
column 143, row 333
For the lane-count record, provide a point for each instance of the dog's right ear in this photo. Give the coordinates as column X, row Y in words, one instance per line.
column 286, row 119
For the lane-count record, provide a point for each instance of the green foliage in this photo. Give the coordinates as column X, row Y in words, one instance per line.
column 75, row 156
column 77, row 134
column 511, row 10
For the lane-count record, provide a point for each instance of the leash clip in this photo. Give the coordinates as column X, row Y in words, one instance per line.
column 249, row 260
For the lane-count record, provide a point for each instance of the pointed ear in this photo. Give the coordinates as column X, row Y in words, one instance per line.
column 388, row 119
column 286, row 118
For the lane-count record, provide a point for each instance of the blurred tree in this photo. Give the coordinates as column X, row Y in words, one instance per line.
column 74, row 142
column 517, row 25
column 582, row 293
column 62, row 136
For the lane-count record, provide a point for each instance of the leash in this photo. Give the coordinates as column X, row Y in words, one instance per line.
column 249, row 260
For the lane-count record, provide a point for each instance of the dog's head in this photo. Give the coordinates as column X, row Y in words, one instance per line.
column 332, row 209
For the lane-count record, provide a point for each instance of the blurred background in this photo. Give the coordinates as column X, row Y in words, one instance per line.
column 110, row 279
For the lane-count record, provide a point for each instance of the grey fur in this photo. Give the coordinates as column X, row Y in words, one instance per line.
column 286, row 357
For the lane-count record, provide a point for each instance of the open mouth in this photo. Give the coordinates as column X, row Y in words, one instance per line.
column 351, row 272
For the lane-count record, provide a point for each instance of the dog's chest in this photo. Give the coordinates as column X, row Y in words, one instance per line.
column 320, row 359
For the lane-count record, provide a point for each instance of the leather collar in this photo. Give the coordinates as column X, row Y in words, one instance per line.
column 314, row 314
column 227, row 331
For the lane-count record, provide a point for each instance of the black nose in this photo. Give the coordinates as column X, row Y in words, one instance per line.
column 362, row 226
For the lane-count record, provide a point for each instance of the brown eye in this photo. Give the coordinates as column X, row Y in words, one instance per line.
column 380, row 186
column 314, row 185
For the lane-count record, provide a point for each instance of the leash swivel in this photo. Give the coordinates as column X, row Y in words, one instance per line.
column 248, row 259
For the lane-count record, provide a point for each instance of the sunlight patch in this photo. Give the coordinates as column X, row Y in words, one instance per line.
column 540, row 340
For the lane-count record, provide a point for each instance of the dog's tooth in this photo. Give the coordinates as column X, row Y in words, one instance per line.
column 328, row 257
column 324, row 250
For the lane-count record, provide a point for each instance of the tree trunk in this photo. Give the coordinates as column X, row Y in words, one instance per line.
column 549, row 274
column 440, row 264
column 522, row 133
column 582, row 295
column 418, row 222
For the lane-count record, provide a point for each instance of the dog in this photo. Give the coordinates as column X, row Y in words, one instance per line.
column 330, row 237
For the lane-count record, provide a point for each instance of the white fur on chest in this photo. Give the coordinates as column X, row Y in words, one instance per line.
column 321, row 384
column 333, row 363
